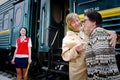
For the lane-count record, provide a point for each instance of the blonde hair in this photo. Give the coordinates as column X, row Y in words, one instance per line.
column 69, row 18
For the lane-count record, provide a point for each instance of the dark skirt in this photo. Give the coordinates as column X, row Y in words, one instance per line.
column 21, row 62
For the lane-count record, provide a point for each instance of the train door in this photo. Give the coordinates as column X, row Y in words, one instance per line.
column 56, row 31
column 58, row 11
column 34, row 23
column 51, row 32
column 52, row 15
column 18, row 20
column 44, row 25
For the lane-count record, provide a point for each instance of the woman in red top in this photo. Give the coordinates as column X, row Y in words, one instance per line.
column 22, row 54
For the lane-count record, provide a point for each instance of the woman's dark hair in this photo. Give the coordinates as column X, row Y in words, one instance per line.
column 94, row 16
column 25, row 29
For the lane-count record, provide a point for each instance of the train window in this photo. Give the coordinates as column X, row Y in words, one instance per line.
column 18, row 16
column 6, row 16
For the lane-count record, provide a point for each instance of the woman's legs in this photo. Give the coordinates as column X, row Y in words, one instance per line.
column 19, row 73
column 24, row 77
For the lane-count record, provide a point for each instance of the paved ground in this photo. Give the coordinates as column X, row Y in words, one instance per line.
column 6, row 76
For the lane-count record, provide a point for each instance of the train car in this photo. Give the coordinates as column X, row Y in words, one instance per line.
column 6, row 23
column 45, row 21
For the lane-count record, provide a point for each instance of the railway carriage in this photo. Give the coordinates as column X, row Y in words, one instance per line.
column 45, row 21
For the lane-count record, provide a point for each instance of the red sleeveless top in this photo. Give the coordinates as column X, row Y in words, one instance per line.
column 22, row 46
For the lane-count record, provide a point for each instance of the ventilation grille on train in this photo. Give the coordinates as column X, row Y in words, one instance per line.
column 113, row 23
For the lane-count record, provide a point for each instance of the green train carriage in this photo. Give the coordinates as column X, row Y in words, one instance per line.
column 45, row 21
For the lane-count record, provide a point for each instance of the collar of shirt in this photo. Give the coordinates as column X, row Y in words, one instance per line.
column 22, row 38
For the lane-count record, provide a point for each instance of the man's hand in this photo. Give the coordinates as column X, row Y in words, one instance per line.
column 80, row 48
column 113, row 38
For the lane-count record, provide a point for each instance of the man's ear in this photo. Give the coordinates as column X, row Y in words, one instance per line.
column 94, row 22
column 118, row 38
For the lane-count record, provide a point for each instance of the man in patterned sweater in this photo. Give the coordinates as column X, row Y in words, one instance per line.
column 100, row 55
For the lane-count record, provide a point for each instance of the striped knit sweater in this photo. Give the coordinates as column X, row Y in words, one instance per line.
column 100, row 57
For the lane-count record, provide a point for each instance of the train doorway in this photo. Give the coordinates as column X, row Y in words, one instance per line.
column 59, row 10
column 34, row 23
